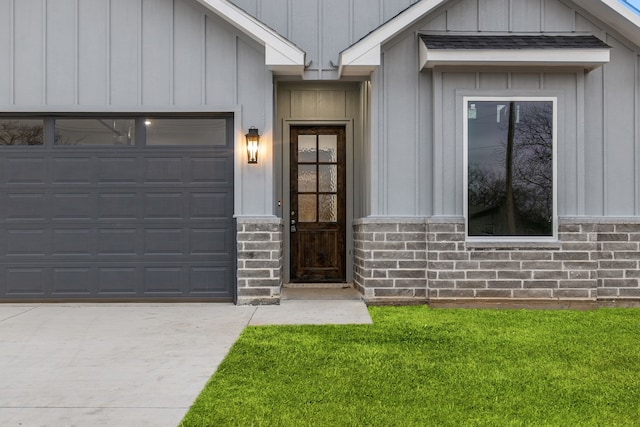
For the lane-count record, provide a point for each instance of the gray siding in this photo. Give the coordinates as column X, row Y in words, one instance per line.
column 120, row 53
column 599, row 136
column 137, row 55
column 323, row 28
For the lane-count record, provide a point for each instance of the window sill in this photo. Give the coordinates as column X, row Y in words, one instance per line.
column 547, row 245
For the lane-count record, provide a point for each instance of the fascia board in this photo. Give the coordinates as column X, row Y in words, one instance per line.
column 616, row 15
column 587, row 58
column 363, row 50
column 279, row 52
column 363, row 65
column 278, row 61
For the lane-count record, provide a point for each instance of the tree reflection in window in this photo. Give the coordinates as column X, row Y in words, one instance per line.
column 510, row 168
column 99, row 131
column 21, row 132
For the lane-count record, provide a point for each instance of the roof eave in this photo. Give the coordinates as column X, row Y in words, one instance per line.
column 616, row 15
column 359, row 56
column 281, row 56
column 358, row 60
column 588, row 59
column 360, row 66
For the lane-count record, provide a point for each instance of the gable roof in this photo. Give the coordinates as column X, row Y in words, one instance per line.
column 363, row 57
column 281, row 55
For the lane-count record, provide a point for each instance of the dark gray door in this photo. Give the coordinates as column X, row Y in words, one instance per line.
column 109, row 222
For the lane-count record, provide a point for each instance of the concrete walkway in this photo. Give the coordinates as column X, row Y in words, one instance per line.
column 129, row 364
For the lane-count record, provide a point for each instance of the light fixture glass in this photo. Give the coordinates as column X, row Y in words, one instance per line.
column 253, row 143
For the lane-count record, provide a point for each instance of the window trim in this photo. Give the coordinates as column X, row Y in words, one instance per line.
column 466, row 100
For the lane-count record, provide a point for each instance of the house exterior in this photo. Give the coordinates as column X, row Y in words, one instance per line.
column 440, row 151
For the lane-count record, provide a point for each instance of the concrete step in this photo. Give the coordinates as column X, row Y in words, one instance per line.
column 317, row 293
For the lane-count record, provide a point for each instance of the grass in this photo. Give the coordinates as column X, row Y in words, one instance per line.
column 417, row 366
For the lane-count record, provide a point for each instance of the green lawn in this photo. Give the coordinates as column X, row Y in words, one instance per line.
column 420, row 366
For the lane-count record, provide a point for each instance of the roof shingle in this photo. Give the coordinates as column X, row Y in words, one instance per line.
column 472, row 42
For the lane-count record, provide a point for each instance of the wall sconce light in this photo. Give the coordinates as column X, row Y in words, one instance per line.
column 253, row 142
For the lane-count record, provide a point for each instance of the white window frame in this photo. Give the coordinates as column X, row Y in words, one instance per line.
column 466, row 100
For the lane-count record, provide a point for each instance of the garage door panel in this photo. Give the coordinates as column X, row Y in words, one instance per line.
column 76, row 206
column 72, row 242
column 25, row 206
column 71, row 280
column 163, row 170
column 210, row 205
column 24, row 170
column 210, row 170
column 210, row 241
column 163, row 242
column 118, row 170
column 26, row 281
column 118, row 206
column 72, row 170
column 117, row 280
column 163, row 280
column 163, row 206
column 205, row 279
column 117, row 241
column 27, row 242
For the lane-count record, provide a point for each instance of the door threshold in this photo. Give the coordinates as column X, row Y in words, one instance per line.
column 318, row 285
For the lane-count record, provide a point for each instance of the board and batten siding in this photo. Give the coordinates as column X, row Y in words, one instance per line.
column 323, row 28
column 417, row 143
column 119, row 52
column 137, row 55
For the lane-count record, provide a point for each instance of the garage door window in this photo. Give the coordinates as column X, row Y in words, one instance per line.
column 21, row 132
column 170, row 131
column 117, row 131
column 95, row 131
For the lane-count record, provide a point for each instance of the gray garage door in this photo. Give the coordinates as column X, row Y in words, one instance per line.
column 134, row 208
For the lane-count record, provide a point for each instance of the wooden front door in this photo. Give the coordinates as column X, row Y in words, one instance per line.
column 318, row 213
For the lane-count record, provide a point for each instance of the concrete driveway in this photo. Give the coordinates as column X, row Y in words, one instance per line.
column 110, row 365
column 127, row 364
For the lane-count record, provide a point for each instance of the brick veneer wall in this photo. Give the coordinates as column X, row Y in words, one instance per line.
column 390, row 259
column 594, row 260
column 260, row 260
column 618, row 260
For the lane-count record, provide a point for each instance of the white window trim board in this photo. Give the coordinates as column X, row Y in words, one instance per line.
column 465, row 135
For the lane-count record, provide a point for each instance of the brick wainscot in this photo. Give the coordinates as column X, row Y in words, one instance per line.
column 594, row 262
column 260, row 260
